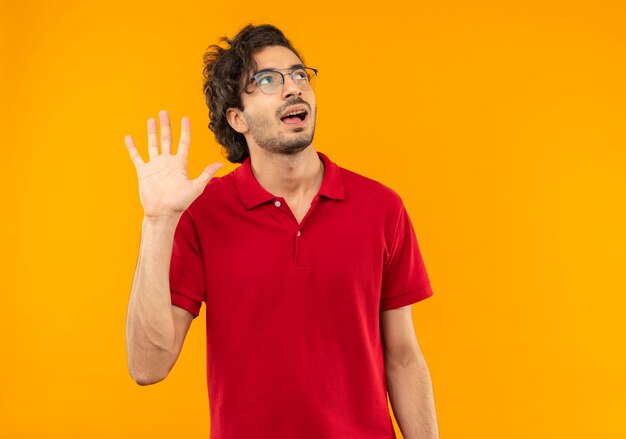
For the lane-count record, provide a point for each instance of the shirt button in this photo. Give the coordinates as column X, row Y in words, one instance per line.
column 277, row 203
column 298, row 232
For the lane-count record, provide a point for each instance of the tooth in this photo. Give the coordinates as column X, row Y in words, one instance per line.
column 294, row 113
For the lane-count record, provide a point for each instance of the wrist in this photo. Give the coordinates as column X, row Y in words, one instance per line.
column 161, row 221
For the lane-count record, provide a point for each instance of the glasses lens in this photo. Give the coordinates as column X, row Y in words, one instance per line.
column 305, row 77
column 269, row 82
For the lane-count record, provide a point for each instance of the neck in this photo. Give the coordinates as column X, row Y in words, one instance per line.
column 288, row 176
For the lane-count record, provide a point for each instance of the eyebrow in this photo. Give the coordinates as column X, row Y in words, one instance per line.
column 293, row 66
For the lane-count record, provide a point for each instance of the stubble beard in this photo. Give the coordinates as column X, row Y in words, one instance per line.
column 284, row 144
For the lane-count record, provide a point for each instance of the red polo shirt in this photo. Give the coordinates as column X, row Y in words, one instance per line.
column 293, row 336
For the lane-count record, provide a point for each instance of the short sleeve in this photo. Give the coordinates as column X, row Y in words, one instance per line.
column 187, row 286
column 405, row 280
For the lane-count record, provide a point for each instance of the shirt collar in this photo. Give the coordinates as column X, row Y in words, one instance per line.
column 252, row 193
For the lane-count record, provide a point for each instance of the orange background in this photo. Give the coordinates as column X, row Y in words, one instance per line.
column 501, row 124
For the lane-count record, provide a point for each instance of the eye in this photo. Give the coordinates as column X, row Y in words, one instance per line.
column 300, row 74
column 265, row 80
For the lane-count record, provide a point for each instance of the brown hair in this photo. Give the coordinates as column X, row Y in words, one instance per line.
column 226, row 71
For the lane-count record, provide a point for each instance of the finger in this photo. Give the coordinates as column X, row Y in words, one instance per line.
column 166, row 132
column 207, row 175
column 185, row 137
column 153, row 143
column 132, row 150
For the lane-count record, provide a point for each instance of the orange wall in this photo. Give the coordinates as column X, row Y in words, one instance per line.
column 501, row 125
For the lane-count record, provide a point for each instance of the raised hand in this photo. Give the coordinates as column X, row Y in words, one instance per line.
column 164, row 185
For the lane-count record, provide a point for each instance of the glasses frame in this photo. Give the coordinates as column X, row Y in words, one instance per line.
column 254, row 77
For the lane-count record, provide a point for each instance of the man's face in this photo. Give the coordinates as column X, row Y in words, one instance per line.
column 262, row 112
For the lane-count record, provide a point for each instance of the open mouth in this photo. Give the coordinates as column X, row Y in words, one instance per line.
column 295, row 118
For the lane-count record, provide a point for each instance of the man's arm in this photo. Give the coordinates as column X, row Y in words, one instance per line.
column 155, row 329
column 408, row 378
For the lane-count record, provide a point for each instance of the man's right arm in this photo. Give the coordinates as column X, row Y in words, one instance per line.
column 155, row 329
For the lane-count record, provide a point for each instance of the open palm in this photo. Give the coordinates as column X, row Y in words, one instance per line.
column 164, row 185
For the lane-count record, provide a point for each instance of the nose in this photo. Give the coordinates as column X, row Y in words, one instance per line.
column 290, row 88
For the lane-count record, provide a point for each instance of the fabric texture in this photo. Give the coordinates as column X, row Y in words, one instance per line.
column 294, row 348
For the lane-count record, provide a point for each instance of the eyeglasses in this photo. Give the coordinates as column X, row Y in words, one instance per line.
column 272, row 81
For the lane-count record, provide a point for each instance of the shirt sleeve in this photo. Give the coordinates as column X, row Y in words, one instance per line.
column 187, row 286
column 405, row 280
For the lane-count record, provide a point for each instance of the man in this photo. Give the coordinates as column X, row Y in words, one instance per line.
column 308, row 270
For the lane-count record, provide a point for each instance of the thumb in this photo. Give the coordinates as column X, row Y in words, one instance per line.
column 207, row 174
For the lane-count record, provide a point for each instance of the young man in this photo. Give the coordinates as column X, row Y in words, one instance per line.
column 308, row 270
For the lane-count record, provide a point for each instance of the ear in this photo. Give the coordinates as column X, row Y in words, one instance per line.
column 235, row 120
